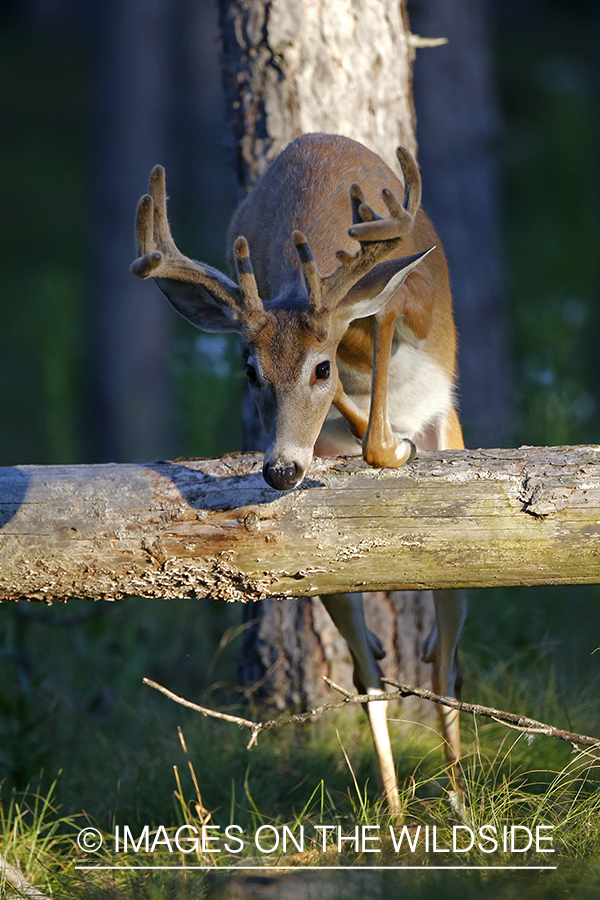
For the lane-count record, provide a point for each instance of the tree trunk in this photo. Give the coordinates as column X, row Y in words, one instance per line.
column 290, row 68
column 318, row 65
column 130, row 412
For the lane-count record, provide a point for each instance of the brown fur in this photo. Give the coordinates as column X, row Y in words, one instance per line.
column 295, row 322
column 307, row 188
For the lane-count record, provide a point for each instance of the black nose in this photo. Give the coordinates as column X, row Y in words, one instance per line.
column 281, row 476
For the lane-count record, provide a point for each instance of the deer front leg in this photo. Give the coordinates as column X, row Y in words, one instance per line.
column 381, row 447
column 357, row 418
column 347, row 613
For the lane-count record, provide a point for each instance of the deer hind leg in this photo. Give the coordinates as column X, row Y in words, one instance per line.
column 440, row 648
column 347, row 613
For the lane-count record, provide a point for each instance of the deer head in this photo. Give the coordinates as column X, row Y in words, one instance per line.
column 290, row 341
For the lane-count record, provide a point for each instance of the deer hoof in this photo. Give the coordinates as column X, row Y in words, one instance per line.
column 406, row 451
column 391, row 457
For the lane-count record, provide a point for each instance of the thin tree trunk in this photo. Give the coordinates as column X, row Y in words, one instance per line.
column 458, row 132
column 291, row 68
column 130, row 416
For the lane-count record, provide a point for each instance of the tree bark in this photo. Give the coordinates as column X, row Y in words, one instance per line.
column 319, row 66
column 291, row 68
column 212, row 528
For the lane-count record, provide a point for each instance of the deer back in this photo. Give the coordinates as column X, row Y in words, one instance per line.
column 307, row 188
column 303, row 297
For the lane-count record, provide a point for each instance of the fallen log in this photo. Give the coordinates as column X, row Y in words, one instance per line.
column 213, row 528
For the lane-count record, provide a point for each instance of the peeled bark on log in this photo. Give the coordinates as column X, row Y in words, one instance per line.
column 212, row 528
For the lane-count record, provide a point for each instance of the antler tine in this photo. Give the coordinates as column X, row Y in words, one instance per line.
column 162, row 232
column 412, row 180
column 353, row 267
column 372, row 227
column 368, row 226
column 149, row 258
column 159, row 256
column 251, row 308
column 153, row 235
column 360, row 211
column 312, row 278
column 377, row 236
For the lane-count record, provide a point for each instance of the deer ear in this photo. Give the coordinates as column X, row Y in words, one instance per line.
column 201, row 306
column 369, row 295
column 201, row 294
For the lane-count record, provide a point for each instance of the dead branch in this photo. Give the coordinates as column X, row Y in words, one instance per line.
column 14, row 876
column 257, row 727
column 511, row 720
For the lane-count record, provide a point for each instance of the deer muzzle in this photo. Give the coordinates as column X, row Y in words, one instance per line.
column 282, row 475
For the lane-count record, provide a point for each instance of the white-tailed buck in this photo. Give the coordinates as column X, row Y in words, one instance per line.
column 346, row 351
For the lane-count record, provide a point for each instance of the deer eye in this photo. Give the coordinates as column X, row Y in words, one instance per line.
column 251, row 374
column 323, row 370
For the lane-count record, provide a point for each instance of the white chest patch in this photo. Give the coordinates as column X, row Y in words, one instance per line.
column 420, row 397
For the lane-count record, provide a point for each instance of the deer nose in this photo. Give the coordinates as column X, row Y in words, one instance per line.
column 282, row 476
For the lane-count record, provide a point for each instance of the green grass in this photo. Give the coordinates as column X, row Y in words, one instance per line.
column 45, row 844
column 72, row 699
column 316, row 774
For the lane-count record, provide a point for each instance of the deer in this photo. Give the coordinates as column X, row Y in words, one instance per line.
column 347, row 350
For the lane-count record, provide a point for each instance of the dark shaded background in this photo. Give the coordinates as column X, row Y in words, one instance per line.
column 94, row 366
